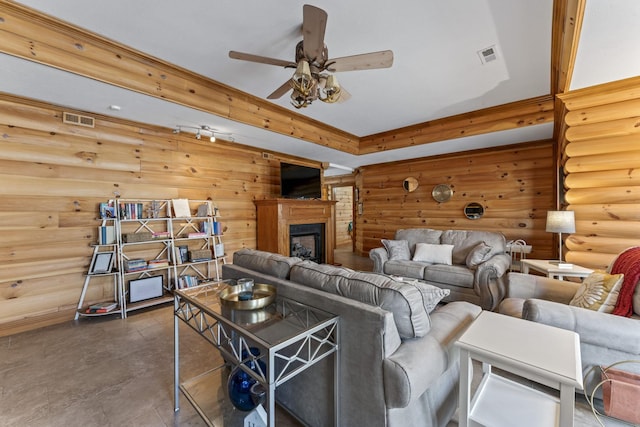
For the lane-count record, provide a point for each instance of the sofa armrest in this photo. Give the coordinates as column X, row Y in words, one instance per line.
column 527, row 286
column 596, row 328
column 490, row 280
column 379, row 257
column 418, row 363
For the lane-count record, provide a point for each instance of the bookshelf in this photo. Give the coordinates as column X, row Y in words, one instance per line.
column 148, row 248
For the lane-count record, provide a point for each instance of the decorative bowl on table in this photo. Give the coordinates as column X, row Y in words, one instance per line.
column 248, row 296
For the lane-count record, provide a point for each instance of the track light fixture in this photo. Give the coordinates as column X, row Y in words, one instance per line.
column 204, row 129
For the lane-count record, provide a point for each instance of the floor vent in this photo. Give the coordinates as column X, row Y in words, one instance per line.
column 77, row 119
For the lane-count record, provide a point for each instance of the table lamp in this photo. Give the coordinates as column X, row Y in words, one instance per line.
column 561, row 222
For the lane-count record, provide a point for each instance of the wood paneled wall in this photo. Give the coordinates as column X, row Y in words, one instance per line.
column 601, row 155
column 515, row 185
column 53, row 175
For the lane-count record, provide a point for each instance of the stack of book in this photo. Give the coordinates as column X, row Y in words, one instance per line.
column 197, row 235
column 187, row 282
column 102, row 307
column 158, row 263
column 135, row 265
column 158, row 235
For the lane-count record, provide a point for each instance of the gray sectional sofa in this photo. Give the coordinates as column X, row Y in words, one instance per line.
column 471, row 264
column 398, row 364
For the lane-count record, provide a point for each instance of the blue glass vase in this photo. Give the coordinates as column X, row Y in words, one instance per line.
column 239, row 383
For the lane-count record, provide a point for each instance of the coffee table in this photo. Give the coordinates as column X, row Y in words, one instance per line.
column 291, row 337
column 538, row 352
column 552, row 270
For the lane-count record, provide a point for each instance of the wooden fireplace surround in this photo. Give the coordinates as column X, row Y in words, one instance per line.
column 275, row 216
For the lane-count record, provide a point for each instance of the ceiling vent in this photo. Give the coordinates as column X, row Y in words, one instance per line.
column 78, row 120
column 488, row 54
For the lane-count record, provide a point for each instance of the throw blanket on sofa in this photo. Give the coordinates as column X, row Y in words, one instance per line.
column 627, row 263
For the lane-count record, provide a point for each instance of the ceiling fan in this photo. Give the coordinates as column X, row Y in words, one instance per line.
column 313, row 78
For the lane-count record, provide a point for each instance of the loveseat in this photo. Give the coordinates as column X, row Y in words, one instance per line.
column 605, row 338
column 398, row 365
column 471, row 264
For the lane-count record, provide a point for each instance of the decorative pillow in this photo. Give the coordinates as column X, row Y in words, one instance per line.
column 435, row 254
column 397, row 249
column 431, row 295
column 479, row 254
column 599, row 291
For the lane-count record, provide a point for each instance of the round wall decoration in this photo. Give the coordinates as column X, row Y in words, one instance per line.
column 441, row 193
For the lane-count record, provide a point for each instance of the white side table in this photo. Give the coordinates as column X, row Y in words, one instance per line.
column 552, row 270
column 541, row 353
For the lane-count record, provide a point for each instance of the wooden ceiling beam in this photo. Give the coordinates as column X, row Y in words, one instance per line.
column 503, row 117
column 31, row 35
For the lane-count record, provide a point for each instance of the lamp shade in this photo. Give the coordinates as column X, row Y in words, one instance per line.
column 561, row 222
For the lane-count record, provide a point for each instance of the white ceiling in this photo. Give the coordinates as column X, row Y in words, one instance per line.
column 436, row 73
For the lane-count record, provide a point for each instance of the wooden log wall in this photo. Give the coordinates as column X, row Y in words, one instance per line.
column 601, row 156
column 515, row 185
column 54, row 175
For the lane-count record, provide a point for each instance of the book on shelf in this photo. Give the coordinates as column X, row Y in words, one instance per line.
column 187, row 281
column 218, row 250
column 131, row 210
column 133, row 265
column 204, row 210
column 106, row 235
column 181, row 208
column 158, row 263
column 107, row 211
column 182, row 254
column 159, row 235
column 197, row 235
column 217, row 228
column 102, row 307
column 206, row 228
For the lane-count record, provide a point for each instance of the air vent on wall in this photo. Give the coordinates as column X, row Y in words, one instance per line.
column 488, row 54
column 77, row 119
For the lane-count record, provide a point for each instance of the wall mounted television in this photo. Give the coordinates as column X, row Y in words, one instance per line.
column 300, row 182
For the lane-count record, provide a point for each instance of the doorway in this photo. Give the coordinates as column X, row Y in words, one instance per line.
column 344, row 221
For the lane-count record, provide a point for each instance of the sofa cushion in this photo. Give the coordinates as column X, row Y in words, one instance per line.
column 431, row 295
column 457, row 275
column 418, row 235
column 412, row 269
column 599, row 291
column 464, row 241
column 397, row 249
column 265, row 262
column 479, row 254
column 433, row 253
column 404, row 300
column 319, row 276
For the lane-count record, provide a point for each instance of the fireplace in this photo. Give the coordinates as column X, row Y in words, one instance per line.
column 278, row 218
column 306, row 241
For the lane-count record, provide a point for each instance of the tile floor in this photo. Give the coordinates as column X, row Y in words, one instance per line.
column 112, row 372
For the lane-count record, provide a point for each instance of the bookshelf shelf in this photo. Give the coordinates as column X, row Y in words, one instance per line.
column 127, row 231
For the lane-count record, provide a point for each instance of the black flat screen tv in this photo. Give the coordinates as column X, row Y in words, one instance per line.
column 300, row 182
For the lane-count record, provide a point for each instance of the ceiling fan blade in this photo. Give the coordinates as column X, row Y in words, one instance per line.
column 314, row 23
column 365, row 61
column 261, row 59
column 286, row 87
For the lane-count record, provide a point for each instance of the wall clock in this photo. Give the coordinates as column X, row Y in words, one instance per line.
column 441, row 193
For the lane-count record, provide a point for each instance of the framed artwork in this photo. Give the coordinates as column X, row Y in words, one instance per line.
column 102, row 262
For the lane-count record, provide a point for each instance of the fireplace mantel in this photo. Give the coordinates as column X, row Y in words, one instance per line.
column 275, row 216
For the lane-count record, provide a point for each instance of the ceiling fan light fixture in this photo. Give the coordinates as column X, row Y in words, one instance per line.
column 331, row 90
column 299, row 100
column 302, row 79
